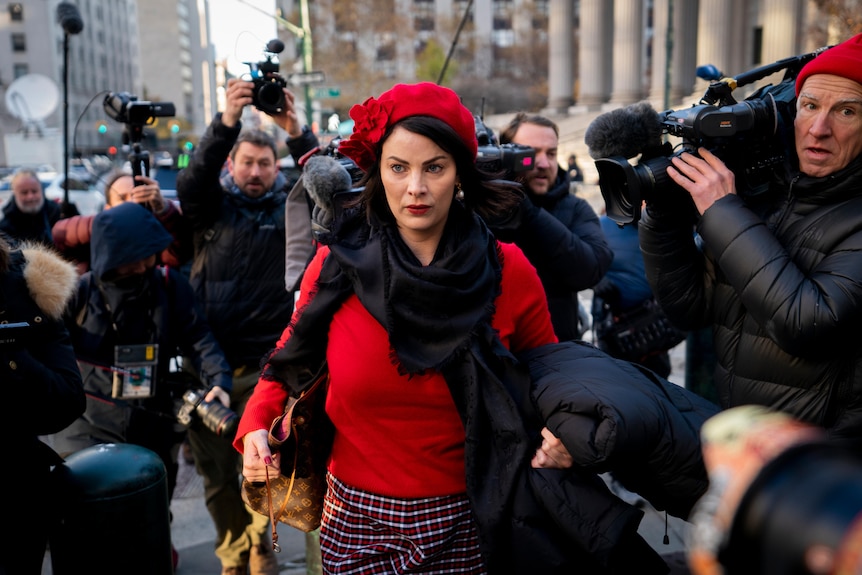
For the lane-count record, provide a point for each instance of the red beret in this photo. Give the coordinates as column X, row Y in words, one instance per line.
column 373, row 117
column 843, row 60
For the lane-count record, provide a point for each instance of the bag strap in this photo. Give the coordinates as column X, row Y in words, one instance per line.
column 281, row 429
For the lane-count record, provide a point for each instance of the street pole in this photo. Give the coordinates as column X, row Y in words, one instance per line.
column 304, row 22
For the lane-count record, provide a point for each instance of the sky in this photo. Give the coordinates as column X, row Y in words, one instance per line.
column 240, row 32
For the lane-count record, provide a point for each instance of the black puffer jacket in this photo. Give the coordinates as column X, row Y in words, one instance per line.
column 561, row 235
column 616, row 416
column 780, row 281
column 239, row 261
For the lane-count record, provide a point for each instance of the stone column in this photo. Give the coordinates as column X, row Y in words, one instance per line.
column 560, row 77
column 683, row 52
column 714, row 34
column 628, row 50
column 782, row 37
column 596, row 41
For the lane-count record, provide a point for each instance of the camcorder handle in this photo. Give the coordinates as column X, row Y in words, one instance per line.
column 719, row 93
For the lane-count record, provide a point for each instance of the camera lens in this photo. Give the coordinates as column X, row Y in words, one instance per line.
column 270, row 97
column 219, row 419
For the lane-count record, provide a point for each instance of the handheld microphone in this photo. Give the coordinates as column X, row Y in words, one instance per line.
column 624, row 132
column 69, row 18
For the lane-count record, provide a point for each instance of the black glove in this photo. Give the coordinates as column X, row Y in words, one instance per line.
column 506, row 226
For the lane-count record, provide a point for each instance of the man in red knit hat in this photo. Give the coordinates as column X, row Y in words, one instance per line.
column 778, row 275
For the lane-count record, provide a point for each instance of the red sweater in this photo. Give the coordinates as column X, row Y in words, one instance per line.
column 396, row 436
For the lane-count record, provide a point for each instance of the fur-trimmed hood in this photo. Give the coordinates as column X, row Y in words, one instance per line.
column 50, row 279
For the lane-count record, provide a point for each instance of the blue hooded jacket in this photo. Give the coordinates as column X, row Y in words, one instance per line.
column 125, row 234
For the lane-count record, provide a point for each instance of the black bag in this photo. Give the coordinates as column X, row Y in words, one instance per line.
column 637, row 333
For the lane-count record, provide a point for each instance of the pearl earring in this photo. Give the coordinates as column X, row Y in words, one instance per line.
column 459, row 194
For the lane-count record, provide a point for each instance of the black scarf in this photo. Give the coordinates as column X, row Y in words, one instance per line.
column 437, row 317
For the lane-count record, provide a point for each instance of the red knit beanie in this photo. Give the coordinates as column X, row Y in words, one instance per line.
column 843, row 60
column 373, row 117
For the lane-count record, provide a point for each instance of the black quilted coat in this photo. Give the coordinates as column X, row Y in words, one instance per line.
column 779, row 278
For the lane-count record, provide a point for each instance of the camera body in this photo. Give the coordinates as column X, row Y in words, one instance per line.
column 754, row 138
column 509, row 159
column 135, row 114
column 268, row 92
column 219, row 419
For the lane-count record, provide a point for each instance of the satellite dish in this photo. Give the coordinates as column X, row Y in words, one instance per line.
column 32, row 97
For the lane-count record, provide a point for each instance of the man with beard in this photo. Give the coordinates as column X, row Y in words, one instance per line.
column 558, row 232
column 27, row 216
column 238, row 273
column 127, row 321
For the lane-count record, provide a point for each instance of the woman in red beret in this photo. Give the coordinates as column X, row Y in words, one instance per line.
column 415, row 310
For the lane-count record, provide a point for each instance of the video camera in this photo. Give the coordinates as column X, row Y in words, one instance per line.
column 268, row 93
column 508, row 159
column 752, row 137
column 126, row 108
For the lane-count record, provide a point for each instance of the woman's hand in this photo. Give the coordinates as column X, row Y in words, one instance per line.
column 552, row 454
column 257, row 456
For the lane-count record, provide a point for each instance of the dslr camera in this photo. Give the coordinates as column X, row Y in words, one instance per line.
column 507, row 159
column 219, row 419
column 135, row 114
column 268, row 94
column 752, row 137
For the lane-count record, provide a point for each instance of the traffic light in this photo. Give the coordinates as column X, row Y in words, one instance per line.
column 189, row 146
column 102, row 127
column 175, row 127
column 112, row 150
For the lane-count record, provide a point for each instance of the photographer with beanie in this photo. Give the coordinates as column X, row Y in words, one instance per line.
column 778, row 275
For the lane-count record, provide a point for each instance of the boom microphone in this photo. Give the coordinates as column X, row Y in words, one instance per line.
column 69, row 18
column 624, row 132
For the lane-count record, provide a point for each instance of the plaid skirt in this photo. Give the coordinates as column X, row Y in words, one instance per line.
column 364, row 533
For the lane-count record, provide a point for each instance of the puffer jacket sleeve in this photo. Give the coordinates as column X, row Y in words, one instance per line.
column 615, row 416
column 807, row 313
column 676, row 268
column 198, row 187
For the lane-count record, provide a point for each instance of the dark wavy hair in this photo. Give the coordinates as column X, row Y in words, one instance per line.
column 484, row 193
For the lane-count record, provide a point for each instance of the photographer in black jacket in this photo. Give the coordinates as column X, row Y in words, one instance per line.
column 778, row 275
column 238, row 273
column 558, row 232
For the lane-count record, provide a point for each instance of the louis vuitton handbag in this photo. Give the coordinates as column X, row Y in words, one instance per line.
column 302, row 436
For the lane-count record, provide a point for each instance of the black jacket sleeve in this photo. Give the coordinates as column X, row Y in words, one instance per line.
column 198, row 187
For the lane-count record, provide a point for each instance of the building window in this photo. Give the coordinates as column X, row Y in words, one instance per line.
column 423, row 15
column 16, row 12
column 19, row 43
column 19, row 70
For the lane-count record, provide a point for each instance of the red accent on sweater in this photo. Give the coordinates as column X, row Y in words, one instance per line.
column 400, row 436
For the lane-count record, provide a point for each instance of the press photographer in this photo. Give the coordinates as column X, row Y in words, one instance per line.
column 777, row 274
column 238, row 274
column 557, row 231
column 128, row 319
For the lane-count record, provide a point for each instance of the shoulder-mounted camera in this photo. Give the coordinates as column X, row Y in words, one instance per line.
column 754, row 138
